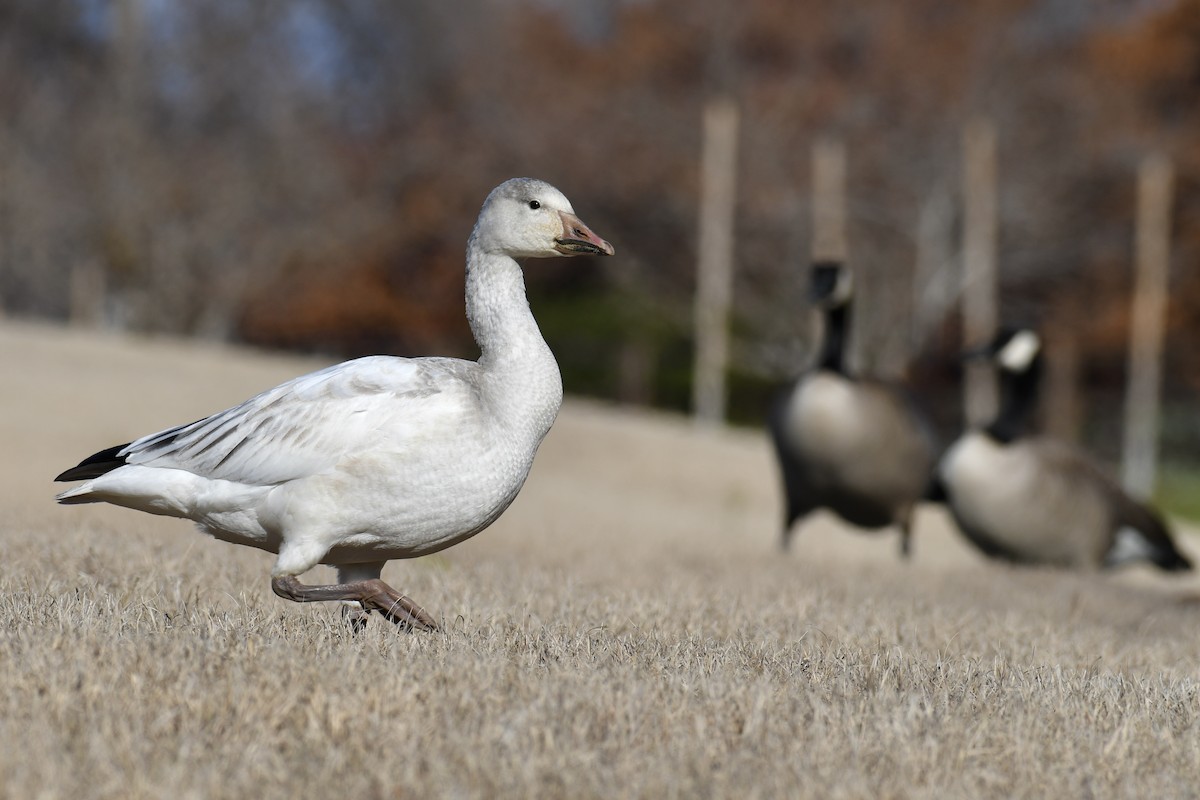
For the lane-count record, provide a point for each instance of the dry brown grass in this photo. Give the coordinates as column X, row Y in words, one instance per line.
column 628, row 629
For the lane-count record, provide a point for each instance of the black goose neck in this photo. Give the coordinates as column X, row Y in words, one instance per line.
column 833, row 346
column 1018, row 396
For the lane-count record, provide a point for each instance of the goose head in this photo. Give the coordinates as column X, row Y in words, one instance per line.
column 528, row 218
column 1013, row 350
column 832, row 285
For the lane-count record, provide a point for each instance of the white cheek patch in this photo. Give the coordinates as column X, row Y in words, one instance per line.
column 844, row 289
column 1018, row 354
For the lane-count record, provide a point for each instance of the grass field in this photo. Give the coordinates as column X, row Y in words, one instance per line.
column 627, row 629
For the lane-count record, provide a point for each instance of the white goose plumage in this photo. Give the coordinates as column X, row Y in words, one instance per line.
column 380, row 457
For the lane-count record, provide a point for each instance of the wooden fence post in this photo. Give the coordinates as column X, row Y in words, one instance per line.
column 714, row 267
column 6, row 245
column 1147, row 325
column 979, row 304
column 829, row 201
column 829, row 242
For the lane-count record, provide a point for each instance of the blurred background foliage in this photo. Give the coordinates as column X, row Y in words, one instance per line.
column 304, row 174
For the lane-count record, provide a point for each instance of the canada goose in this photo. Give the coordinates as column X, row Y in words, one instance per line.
column 380, row 457
column 1031, row 499
column 852, row 445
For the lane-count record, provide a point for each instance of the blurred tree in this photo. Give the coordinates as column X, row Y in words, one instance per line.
column 303, row 173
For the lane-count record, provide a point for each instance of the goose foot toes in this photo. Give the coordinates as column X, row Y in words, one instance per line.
column 371, row 595
column 398, row 608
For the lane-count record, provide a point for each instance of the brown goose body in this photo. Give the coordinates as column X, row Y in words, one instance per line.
column 855, row 446
column 1034, row 500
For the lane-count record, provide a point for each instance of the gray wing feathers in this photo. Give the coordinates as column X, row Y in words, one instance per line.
column 295, row 429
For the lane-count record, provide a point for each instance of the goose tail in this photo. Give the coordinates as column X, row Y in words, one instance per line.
column 77, row 495
column 89, row 469
column 1147, row 522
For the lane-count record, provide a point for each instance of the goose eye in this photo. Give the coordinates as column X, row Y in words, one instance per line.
column 535, row 205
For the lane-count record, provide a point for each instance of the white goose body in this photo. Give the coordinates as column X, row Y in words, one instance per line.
column 380, row 457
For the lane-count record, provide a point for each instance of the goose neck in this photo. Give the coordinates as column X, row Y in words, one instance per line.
column 521, row 377
column 497, row 308
column 1018, row 397
column 833, row 345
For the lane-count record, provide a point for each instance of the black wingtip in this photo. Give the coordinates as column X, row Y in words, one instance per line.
column 95, row 465
column 1173, row 561
column 1165, row 554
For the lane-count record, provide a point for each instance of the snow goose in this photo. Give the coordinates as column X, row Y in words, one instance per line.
column 854, row 445
column 380, row 457
column 1034, row 500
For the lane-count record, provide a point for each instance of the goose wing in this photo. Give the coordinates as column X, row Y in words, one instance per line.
column 1126, row 511
column 308, row 425
column 1065, row 464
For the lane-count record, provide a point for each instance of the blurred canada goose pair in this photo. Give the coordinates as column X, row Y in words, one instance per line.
column 377, row 458
column 1031, row 499
column 853, row 445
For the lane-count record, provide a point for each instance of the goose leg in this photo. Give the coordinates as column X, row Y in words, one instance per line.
column 353, row 614
column 372, row 594
column 785, row 543
column 905, row 523
column 791, row 519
